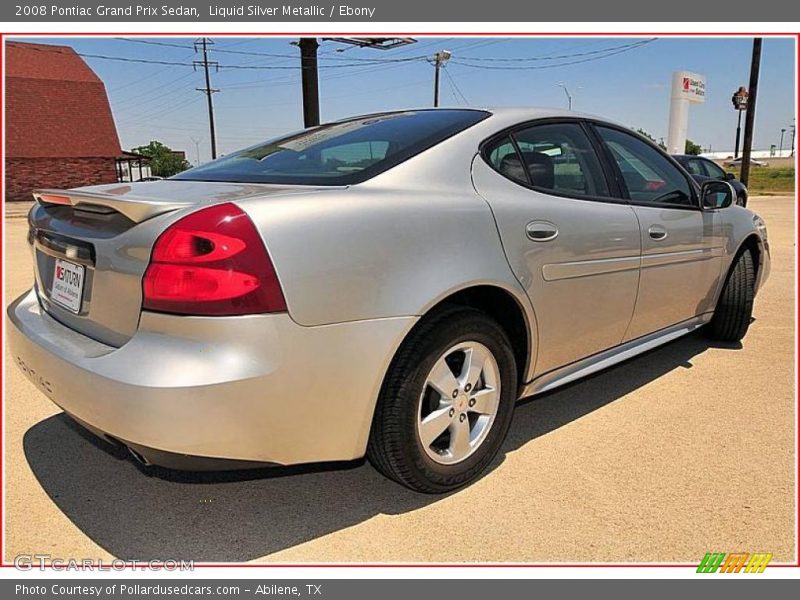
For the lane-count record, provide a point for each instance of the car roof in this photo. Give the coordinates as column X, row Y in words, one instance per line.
column 531, row 113
column 506, row 114
column 536, row 112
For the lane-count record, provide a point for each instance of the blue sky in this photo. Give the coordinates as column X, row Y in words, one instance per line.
column 152, row 101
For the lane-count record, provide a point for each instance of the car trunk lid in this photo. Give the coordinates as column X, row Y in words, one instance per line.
column 91, row 246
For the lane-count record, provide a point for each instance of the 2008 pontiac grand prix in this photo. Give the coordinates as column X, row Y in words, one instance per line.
column 386, row 285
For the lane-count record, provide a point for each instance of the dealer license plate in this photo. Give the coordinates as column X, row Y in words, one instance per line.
column 67, row 290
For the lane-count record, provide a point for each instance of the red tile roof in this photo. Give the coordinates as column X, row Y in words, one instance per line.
column 56, row 106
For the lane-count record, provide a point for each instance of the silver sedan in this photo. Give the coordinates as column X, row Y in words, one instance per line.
column 387, row 285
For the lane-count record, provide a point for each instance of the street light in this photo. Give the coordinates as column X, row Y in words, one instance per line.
column 197, row 149
column 780, row 149
column 566, row 91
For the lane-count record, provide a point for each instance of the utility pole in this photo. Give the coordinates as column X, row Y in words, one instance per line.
column 794, row 129
column 197, row 149
column 309, row 73
column 438, row 61
column 208, row 90
column 750, row 116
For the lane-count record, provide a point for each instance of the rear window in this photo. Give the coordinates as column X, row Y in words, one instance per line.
column 340, row 153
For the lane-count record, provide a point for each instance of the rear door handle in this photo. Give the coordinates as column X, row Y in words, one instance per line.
column 541, row 231
column 657, row 232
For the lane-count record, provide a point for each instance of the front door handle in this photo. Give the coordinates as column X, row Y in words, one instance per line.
column 541, row 231
column 657, row 232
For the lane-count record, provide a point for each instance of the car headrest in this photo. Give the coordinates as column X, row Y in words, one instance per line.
column 511, row 167
column 541, row 169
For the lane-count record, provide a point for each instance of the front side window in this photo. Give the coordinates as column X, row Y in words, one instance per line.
column 340, row 153
column 556, row 157
column 648, row 174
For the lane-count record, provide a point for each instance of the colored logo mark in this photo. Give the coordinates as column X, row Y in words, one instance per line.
column 740, row 562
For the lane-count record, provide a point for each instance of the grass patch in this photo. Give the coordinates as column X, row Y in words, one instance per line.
column 768, row 180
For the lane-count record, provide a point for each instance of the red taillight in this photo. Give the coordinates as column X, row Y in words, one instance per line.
column 212, row 262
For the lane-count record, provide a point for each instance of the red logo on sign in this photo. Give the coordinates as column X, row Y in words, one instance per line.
column 686, row 84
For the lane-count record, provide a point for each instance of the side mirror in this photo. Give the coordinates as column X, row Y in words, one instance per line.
column 730, row 177
column 716, row 194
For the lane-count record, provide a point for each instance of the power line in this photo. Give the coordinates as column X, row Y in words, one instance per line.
column 148, row 118
column 548, row 66
column 454, row 87
column 548, row 57
column 190, row 64
column 55, row 50
column 155, row 43
column 139, row 80
column 347, row 59
column 353, row 59
column 167, row 89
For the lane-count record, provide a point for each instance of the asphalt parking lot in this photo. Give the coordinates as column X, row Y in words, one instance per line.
column 685, row 450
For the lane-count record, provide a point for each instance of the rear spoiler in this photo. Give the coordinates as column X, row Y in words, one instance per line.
column 136, row 208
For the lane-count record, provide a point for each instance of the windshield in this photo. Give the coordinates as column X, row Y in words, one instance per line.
column 340, row 153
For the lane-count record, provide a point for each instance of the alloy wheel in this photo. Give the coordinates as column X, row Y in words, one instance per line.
column 459, row 402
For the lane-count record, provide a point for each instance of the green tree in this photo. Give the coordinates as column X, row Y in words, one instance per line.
column 164, row 161
column 692, row 148
column 641, row 131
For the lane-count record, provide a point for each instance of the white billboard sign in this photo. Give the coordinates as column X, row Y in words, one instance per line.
column 689, row 85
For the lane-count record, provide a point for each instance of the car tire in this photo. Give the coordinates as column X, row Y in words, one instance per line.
column 408, row 402
column 735, row 305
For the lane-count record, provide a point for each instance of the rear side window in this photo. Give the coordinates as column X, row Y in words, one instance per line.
column 713, row 170
column 694, row 167
column 340, row 153
column 561, row 158
column 648, row 174
column 554, row 157
column 502, row 155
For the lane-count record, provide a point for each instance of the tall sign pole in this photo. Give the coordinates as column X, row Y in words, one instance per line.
column 750, row 116
column 687, row 88
column 739, row 100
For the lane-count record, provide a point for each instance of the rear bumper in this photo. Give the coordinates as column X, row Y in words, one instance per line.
column 256, row 389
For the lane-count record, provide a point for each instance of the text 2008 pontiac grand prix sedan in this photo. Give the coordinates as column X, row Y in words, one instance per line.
column 386, row 285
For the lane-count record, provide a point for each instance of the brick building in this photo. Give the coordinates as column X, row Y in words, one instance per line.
column 59, row 129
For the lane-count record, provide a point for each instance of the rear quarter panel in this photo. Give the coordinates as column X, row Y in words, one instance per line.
column 377, row 251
